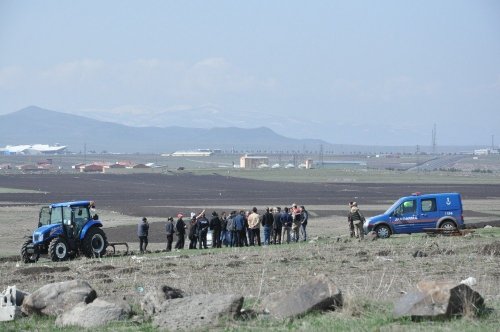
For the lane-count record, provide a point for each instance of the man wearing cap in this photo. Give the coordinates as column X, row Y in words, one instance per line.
column 142, row 233
column 180, row 230
column 357, row 219
column 215, row 226
column 170, row 232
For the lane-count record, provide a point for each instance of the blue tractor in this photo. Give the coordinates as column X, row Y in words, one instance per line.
column 66, row 230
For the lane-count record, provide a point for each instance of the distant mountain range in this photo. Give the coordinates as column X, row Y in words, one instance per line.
column 33, row 125
column 36, row 125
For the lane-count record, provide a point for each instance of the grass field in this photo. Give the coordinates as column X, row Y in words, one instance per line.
column 356, row 176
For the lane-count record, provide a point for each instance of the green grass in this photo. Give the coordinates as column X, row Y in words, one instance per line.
column 4, row 190
column 355, row 176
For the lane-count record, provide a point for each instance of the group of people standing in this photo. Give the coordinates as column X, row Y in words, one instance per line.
column 236, row 229
column 243, row 228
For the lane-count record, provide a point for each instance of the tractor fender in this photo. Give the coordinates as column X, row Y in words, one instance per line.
column 88, row 226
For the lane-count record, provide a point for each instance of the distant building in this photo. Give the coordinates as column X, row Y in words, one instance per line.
column 248, row 161
column 194, row 153
column 484, row 152
column 309, row 164
column 32, row 149
column 92, row 168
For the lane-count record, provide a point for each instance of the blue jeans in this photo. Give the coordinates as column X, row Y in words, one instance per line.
column 303, row 231
column 267, row 235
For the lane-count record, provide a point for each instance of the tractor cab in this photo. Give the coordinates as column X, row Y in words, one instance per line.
column 66, row 230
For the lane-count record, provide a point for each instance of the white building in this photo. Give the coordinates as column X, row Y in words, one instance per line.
column 33, row 149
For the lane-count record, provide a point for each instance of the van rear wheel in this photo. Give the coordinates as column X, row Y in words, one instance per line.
column 448, row 225
column 383, row 231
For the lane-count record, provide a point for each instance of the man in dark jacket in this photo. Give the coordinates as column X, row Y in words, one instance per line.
column 193, row 232
column 239, row 222
column 286, row 222
column 180, row 230
column 277, row 226
column 142, row 233
column 267, row 224
column 215, row 226
column 170, row 232
column 203, row 225
column 303, row 223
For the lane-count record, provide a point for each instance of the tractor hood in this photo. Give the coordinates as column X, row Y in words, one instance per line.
column 45, row 232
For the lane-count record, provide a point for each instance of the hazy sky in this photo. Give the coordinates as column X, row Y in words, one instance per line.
column 360, row 72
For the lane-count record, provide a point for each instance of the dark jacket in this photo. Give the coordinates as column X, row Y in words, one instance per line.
column 277, row 221
column 267, row 219
column 286, row 219
column 239, row 222
column 169, row 228
column 305, row 217
column 203, row 225
column 215, row 224
column 192, row 229
column 142, row 228
column 180, row 226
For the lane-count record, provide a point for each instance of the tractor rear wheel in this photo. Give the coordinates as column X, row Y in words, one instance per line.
column 27, row 257
column 94, row 243
column 58, row 249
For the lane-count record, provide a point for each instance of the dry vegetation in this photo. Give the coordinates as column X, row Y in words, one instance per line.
column 370, row 274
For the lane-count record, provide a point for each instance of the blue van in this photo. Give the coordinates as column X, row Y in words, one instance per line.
column 411, row 214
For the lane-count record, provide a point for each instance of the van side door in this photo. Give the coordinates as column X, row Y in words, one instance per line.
column 428, row 214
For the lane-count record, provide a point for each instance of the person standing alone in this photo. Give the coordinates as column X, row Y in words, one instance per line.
column 170, row 232
column 357, row 219
column 142, row 233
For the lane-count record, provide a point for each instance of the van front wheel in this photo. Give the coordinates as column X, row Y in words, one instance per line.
column 383, row 231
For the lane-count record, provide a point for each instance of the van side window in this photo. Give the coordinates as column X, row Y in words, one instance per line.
column 406, row 207
column 429, row 205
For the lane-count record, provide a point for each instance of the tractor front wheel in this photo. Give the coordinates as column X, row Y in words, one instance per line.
column 58, row 249
column 27, row 257
column 94, row 243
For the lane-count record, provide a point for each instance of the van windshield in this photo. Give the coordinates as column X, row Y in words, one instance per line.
column 393, row 206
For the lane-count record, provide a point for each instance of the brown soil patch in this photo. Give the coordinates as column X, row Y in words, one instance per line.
column 492, row 249
column 38, row 270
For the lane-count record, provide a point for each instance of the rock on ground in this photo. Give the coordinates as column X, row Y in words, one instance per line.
column 197, row 311
column 153, row 300
column 94, row 314
column 53, row 299
column 439, row 299
column 318, row 293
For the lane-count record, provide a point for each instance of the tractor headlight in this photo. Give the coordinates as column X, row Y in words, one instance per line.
column 37, row 237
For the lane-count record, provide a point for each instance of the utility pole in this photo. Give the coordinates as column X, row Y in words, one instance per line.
column 321, row 156
column 434, row 140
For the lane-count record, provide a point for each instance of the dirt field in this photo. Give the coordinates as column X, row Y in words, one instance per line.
column 371, row 274
column 123, row 199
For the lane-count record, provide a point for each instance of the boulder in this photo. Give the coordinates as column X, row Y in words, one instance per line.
column 439, row 299
column 54, row 299
column 153, row 300
column 318, row 293
column 197, row 311
column 371, row 236
column 94, row 314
